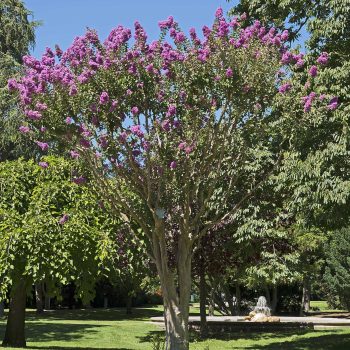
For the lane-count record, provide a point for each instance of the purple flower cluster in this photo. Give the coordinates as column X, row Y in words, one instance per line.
column 24, row 129
column 43, row 145
column 136, row 130
column 284, row 88
column 63, row 219
column 44, row 165
column 308, row 101
column 323, row 58
column 333, row 104
column 313, row 71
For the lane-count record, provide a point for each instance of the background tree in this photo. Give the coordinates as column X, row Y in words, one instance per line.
column 17, row 36
column 336, row 276
column 51, row 230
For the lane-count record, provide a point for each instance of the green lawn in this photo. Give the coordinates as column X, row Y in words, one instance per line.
column 111, row 329
column 323, row 306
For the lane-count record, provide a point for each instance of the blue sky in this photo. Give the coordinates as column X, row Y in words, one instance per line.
column 65, row 19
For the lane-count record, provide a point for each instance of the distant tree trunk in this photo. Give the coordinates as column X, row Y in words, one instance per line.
column 305, row 302
column 274, row 300
column 202, row 304
column 211, row 308
column 129, row 304
column 2, row 309
column 238, row 299
column 229, row 300
column 47, row 302
column 39, row 297
column 105, row 302
column 268, row 295
column 15, row 327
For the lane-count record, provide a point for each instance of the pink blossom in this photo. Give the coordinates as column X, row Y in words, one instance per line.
column 12, row 84
column 63, row 219
column 166, row 125
column 171, row 111
column 74, row 154
column 24, row 129
column 41, row 106
column 181, row 145
column 43, row 145
column 323, row 58
column 73, row 90
column 284, row 88
column 285, row 35
column 173, row 165
column 79, row 180
column 134, row 110
column 313, row 71
column 136, row 130
column 229, row 73
column 34, row 115
column 333, row 104
column 104, row 98
column 44, row 165
column 68, row 120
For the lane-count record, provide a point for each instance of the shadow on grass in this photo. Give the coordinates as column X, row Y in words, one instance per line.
column 75, row 347
column 44, row 332
column 328, row 341
column 195, row 336
column 113, row 314
column 331, row 341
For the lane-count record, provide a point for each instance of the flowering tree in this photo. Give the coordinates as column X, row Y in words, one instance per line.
column 178, row 135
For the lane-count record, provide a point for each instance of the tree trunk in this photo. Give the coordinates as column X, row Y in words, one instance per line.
column 39, row 297
column 202, row 304
column 268, row 296
column 47, row 302
column 2, row 309
column 176, row 307
column 229, row 300
column 129, row 304
column 305, row 302
column 238, row 299
column 211, row 308
column 15, row 332
column 105, row 302
column 274, row 300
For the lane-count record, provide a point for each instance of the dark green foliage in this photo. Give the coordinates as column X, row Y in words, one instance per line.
column 337, row 273
column 17, row 36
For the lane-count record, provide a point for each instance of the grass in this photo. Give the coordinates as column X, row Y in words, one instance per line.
column 323, row 306
column 112, row 329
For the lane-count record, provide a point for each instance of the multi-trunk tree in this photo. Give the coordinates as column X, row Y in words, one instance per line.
column 163, row 125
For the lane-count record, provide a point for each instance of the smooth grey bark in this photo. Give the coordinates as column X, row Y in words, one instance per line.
column 306, row 298
column 15, row 326
column 202, row 304
column 176, row 306
column 39, row 297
